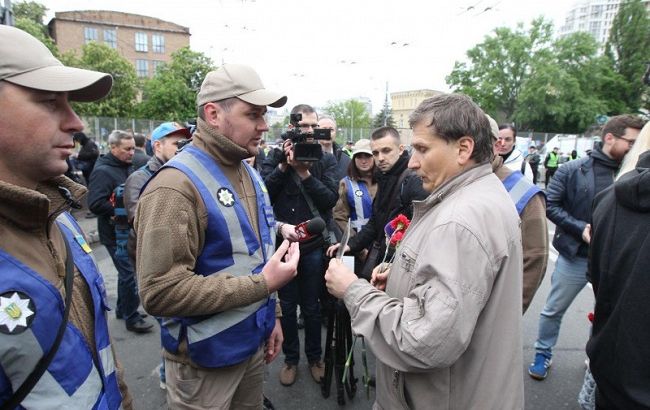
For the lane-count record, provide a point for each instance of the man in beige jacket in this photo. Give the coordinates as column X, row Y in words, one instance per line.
column 447, row 329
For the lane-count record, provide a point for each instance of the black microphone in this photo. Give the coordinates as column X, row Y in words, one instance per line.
column 309, row 229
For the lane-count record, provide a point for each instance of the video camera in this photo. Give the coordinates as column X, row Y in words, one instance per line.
column 305, row 145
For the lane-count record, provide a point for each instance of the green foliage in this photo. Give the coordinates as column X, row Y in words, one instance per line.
column 29, row 17
column 498, row 67
column 37, row 30
column 349, row 114
column 121, row 100
column 380, row 121
column 30, row 10
column 628, row 47
column 171, row 93
column 539, row 83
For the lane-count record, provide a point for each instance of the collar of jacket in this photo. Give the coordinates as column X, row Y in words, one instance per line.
column 34, row 210
column 217, row 145
column 455, row 183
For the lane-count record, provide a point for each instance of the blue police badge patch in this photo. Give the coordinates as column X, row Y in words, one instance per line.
column 17, row 312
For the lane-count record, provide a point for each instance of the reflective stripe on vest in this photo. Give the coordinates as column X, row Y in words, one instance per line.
column 359, row 201
column 231, row 245
column 520, row 189
column 72, row 380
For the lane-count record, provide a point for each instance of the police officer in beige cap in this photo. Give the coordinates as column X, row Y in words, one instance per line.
column 55, row 349
column 208, row 264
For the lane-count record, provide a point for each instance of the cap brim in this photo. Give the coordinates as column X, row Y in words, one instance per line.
column 185, row 132
column 82, row 85
column 264, row 97
column 362, row 151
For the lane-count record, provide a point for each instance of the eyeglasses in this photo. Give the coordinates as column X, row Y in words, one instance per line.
column 630, row 142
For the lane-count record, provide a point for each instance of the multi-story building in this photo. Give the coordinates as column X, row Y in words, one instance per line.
column 403, row 103
column 594, row 17
column 145, row 41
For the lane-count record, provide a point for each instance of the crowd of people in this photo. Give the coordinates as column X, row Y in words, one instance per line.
column 207, row 234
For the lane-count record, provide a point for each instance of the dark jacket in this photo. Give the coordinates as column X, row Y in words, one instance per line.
column 109, row 172
column 140, row 159
column 568, row 202
column 619, row 347
column 342, row 162
column 383, row 209
column 289, row 204
column 88, row 152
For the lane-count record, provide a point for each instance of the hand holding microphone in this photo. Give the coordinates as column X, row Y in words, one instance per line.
column 304, row 231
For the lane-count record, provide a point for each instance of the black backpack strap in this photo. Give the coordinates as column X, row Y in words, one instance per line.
column 45, row 361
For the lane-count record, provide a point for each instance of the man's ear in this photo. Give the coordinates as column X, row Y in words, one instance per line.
column 609, row 139
column 465, row 146
column 401, row 148
column 212, row 111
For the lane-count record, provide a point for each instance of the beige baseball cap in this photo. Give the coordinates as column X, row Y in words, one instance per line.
column 494, row 127
column 361, row 146
column 27, row 62
column 236, row 80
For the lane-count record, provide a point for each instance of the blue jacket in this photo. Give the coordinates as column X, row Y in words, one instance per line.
column 569, row 197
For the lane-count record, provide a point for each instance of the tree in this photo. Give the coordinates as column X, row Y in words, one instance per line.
column 349, row 114
column 29, row 17
column 171, row 93
column 384, row 117
column 628, row 47
column 499, row 66
column 566, row 91
column 100, row 57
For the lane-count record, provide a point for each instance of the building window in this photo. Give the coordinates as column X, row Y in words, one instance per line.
column 110, row 38
column 156, row 65
column 158, row 43
column 90, row 34
column 141, row 43
column 142, row 68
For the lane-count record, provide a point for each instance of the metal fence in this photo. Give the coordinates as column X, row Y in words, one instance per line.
column 99, row 128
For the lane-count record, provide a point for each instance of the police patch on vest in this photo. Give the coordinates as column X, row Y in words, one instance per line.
column 358, row 193
column 17, row 312
column 225, row 197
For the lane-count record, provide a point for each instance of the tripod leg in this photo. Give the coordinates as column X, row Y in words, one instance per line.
column 340, row 353
column 326, row 382
column 351, row 382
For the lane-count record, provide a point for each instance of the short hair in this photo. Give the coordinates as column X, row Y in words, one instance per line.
column 617, row 124
column 387, row 131
column 327, row 117
column 139, row 139
column 303, row 109
column 452, row 116
column 225, row 104
column 641, row 145
column 508, row 127
column 116, row 137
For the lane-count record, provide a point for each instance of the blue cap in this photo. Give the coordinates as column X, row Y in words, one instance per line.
column 167, row 128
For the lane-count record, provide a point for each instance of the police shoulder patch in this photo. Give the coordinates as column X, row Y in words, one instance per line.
column 17, row 311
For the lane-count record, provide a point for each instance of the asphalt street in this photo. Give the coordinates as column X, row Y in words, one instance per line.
column 140, row 356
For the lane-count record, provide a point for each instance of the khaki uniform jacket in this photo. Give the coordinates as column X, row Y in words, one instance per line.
column 28, row 233
column 171, row 221
column 447, row 331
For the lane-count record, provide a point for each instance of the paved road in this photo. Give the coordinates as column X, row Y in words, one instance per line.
column 140, row 357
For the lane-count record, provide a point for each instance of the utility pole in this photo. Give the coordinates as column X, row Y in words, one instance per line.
column 6, row 15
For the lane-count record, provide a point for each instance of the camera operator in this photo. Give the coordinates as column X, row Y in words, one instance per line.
column 299, row 191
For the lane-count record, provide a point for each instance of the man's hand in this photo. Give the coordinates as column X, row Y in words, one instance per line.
column 288, row 232
column 274, row 343
column 338, row 278
column 277, row 273
column 380, row 275
column 301, row 168
column 586, row 234
column 331, row 251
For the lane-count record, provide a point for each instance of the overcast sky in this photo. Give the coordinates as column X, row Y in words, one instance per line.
column 317, row 52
